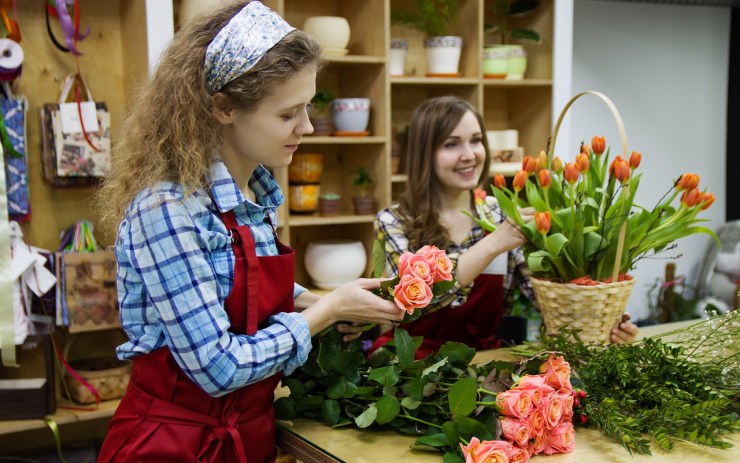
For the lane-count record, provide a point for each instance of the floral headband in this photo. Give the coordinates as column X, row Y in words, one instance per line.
column 242, row 43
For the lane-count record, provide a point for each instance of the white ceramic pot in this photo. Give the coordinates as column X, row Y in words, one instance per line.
column 517, row 63
column 397, row 56
column 331, row 263
column 350, row 114
column 331, row 32
column 443, row 54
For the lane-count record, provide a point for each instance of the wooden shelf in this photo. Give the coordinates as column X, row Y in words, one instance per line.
column 61, row 417
column 322, row 140
column 313, row 220
column 434, row 81
column 354, row 59
column 517, row 83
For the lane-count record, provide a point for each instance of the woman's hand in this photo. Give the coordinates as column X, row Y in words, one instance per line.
column 507, row 234
column 624, row 331
column 353, row 302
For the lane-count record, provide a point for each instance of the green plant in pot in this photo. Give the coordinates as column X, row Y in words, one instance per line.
column 364, row 203
column 330, row 204
column 433, row 18
column 320, row 116
column 506, row 59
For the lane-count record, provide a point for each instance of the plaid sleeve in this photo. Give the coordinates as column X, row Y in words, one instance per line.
column 171, row 252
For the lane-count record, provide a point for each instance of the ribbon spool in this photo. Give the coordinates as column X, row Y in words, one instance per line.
column 11, row 59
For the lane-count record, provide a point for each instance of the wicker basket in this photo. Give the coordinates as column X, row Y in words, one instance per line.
column 594, row 310
column 109, row 376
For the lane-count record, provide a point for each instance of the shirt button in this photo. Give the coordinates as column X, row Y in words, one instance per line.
column 257, row 217
column 273, row 248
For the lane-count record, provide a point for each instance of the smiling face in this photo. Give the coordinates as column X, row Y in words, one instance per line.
column 271, row 133
column 459, row 161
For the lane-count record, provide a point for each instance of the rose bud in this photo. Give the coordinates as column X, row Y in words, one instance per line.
column 545, row 178
column 635, row 159
column 598, row 145
column 583, row 419
column 520, row 180
column 499, row 181
column 571, row 173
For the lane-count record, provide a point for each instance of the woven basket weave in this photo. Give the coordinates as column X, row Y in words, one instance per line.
column 594, row 310
column 109, row 376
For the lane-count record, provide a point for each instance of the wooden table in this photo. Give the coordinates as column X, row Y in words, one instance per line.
column 314, row 442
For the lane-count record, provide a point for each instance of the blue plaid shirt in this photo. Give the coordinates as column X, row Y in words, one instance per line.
column 175, row 270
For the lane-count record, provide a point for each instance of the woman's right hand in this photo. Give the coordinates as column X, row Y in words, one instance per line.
column 507, row 235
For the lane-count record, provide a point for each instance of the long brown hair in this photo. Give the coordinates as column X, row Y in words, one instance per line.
column 170, row 132
column 432, row 122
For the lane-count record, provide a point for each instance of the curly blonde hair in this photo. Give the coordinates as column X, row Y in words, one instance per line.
column 170, row 132
column 433, row 121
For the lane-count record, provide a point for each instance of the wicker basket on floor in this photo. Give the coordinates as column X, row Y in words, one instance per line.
column 593, row 310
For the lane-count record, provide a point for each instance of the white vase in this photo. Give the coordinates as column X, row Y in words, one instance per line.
column 332, row 32
column 397, row 56
column 332, row 263
column 443, row 54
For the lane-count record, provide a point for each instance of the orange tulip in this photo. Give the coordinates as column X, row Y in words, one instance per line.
column 545, row 179
column 635, row 159
column 691, row 197
column 541, row 161
column 543, row 221
column 571, row 173
column 582, row 162
column 529, row 164
column 598, row 145
column 585, row 149
column 687, row 182
column 480, row 195
column 520, row 180
column 620, row 169
column 706, row 200
column 499, row 181
column 556, row 164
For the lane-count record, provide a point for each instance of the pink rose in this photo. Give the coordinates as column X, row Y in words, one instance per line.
column 533, row 382
column 557, row 373
column 411, row 293
column 493, row 451
column 518, row 455
column 561, row 440
column 567, row 399
column 537, row 445
column 552, row 410
column 517, row 404
column 410, row 263
column 537, row 423
column 441, row 264
column 515, row 431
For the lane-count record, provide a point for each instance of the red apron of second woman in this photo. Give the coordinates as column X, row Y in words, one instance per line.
column 473, row 323
column 164, row 415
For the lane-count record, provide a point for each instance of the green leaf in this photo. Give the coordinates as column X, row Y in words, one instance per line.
column 555, row 243
column 534, row 198
column 285, row 408
column 453, row 436
column 404, row 346
column 385, row 376
column 539, row 261
column 409, row 403
column 337, row 388
column 435, row 440
column 462, row 396
column 468, row 427
column 433, row 368
column 380, row 357
column 297, row 389
column 388, row 408
column 452, row 457
column 309, row 403
column 457, row 353
column 379, row 257
column 526, row 34
column 442, row 287
column 330, row 412
column 367, row 417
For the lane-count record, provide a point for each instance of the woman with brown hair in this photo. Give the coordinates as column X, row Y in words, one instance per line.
column 447, row 158
column 206, row 290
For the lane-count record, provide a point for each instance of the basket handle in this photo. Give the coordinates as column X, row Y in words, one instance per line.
column 623, row 138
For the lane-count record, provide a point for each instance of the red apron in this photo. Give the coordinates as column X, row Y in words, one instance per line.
column 164, row 416
column 473, row 323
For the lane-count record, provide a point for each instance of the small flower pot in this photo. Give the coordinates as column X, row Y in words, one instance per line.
column 443, row 54
column 331, row 263
column 496, row 61
column 517, row 64
column 306, row 168
column 364, row 205
column 397, row 56
column 322, row 125
column 303, row 199
column 350, row 114
column 331, row 32
column 330, row 207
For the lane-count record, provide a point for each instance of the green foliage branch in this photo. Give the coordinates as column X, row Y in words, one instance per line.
column 433, row 17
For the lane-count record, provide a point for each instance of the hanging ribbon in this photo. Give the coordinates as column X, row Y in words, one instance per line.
column 79, row 82
column 7, row 319
column 12, row 30
column 71, row 31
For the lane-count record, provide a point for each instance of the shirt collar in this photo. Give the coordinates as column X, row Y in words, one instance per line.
column 227, row 195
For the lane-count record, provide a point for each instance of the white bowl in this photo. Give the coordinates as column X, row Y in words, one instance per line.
column 329, row 31
column 350, row 114
column 331, row 263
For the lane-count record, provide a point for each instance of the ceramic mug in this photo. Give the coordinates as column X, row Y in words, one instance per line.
column 350, row 114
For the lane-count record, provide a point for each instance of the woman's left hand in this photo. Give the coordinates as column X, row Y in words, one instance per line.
column 625, row 331
column 351, row 331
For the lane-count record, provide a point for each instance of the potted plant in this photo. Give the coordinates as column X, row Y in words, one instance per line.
column 364, row 203
column 506, row 59
column 433, row 18
column 330, row 204
column 320, row 115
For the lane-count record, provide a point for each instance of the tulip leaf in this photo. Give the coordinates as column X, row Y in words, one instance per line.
column 388, row 409
column 505, row 203
column 462, row 395
column 555, row 243
column 404, row 347
column 386, row 376
column 367, row 417
column 534, row 198
column 539, row 261
column 330, row 412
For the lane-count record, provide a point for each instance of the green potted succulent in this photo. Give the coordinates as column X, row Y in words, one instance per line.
column 364, row 203
column 433, row 18
column 320, row 115
column 507, row 60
